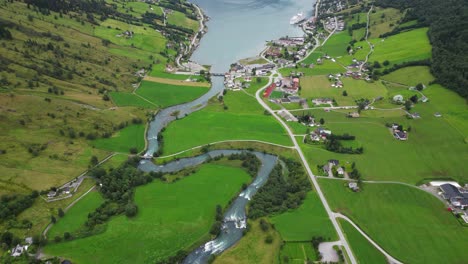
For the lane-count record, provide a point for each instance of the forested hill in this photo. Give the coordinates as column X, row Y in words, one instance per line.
column 448, row 33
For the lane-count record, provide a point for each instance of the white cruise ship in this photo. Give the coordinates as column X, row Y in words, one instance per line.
column 297, row 18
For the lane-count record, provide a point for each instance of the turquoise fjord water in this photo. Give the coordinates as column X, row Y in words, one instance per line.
column 239, row 28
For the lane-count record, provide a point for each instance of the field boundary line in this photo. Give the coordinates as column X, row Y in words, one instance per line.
column 227, row 141
column 389, row 257
column 176, row 82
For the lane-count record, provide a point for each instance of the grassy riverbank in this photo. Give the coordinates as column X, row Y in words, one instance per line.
column 160, row 229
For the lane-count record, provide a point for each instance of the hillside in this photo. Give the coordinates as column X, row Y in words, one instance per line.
column 60, row 61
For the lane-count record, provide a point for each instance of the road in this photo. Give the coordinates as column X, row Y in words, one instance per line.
column 391, row 259
column 331, row 215
column 368, row 43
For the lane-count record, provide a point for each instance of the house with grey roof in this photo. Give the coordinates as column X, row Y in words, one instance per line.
column 454, row 196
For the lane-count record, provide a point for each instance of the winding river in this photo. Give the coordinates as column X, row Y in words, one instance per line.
column 237, row 29
column 234, row 220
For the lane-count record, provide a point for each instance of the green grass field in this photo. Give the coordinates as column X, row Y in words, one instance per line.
column 166, row 95
column 297, row 252
column 179, row 19
column 364, row 251
column 426, row 154
column 407, row 46
column 132, row 136
column 320, row 86
column 383, row 20
column 77, row 215
column 252, row 248
column 309, row 220
column 144, row 38
column 129, row 99
column 170, row 217
column 243, row 120
column 410, row 224
column 410, row 76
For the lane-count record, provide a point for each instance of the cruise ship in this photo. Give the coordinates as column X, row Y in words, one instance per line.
column 297, row 18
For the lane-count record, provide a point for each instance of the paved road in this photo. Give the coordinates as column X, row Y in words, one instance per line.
column 391, row 259
column 309, row 172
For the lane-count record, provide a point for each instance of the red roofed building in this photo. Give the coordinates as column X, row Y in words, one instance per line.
column 269, row 90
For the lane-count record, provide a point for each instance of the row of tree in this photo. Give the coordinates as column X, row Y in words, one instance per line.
column 281, row 192
column 14, row 204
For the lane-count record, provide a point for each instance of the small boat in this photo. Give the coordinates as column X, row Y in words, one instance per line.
column 297, row 18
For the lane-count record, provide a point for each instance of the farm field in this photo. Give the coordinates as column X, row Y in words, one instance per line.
column 129, row 137
column 383, row 20
column 426, row 154
column 179, row 19
column 406, row 46
column 410, row 76
column 148, row 40
column 165, row 95
column 307, row 221
column 424, row 226
column 252, row 248
column 244, row 119
column 129, row 99
column 297, row 252
column 320, row 87
column 364, row 251
column 179, row 227
column 75, row 218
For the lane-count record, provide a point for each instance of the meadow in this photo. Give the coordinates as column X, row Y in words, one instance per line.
column 129, row 99
column 320, row 87
column 406, row 46
column 410, row 76
column 383, row 20
column 75, row 218
column 165, row 95
column 394, row 215
column 305, row 222
column 129, row 137
column 160, row 229
column 243, row 119
column 297, row 252
column 252, row 247
column 179, row 19
column 364, row 251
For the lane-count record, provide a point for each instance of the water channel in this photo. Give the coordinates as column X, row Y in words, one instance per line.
column 237, row 29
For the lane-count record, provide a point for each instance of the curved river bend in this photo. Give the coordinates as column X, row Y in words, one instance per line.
column 237, row 29
column 235, row 219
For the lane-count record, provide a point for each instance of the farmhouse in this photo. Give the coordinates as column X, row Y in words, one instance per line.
column 353, row 186
column 398, row 98
column 453, row 194
column 340, row 171
column 400, row 135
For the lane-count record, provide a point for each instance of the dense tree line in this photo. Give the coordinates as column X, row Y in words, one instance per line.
column 334, row 145
column 249, row 162
column 12, row 205
column 65, row 6
column 281, row 192
column 447, row 22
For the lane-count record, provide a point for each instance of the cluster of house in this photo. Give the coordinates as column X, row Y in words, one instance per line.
column 399, row 133
column 328, row 168
column 289, row 41
column 65, row 190
column 293, row 46
column 334, row 22
column 319, row 134
column 232, row 79
column 20, row 249
column 335, row 80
